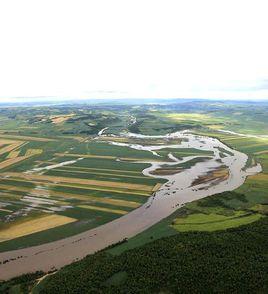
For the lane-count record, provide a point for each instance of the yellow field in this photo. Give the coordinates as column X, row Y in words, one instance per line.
column 111, row 201
column 13, row 154
column 156, row 187
column 11, row 161
column 12, row 145
column 189, row 116
column 223, row 172
column 7, row 141
column 54, row 179
column 32, row 152
column 14, row 158
column 119, row 202
column 33, row 226
column 259, row 177
column 117, row 211
column 215, row 127
column 57, row 119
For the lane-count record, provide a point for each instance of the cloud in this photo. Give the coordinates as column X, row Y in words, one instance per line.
column 133, row 49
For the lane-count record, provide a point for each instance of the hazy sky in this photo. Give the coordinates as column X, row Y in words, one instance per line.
column 138, row 48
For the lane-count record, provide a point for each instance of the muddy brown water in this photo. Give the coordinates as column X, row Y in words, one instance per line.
column 173, row 194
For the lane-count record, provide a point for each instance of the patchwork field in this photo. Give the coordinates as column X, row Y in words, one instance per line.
column 58, row 177
column 40, row 205
column 85, row 181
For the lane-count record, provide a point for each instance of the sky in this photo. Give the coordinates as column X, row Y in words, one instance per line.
column 133, row 49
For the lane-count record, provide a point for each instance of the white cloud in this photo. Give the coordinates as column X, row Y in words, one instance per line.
column 141, row 48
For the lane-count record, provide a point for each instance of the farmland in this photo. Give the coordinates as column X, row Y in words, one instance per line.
column 102, row 182
column 91, row 191
column 66, row 170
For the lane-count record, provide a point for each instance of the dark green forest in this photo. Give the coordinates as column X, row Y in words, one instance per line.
column 231, row 261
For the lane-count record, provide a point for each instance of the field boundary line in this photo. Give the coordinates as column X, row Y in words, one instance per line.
column 58, row 179
column 116, row 211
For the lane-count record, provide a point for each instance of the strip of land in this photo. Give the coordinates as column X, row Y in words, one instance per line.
column 64, row 195
column 12, row 145
column 101, row 156
column 33, row 226
column 54, row 179
column 117, row 211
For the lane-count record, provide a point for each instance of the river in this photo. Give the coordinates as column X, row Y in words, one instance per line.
column 177, row 191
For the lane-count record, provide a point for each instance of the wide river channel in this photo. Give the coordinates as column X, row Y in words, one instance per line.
column 177, row 191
